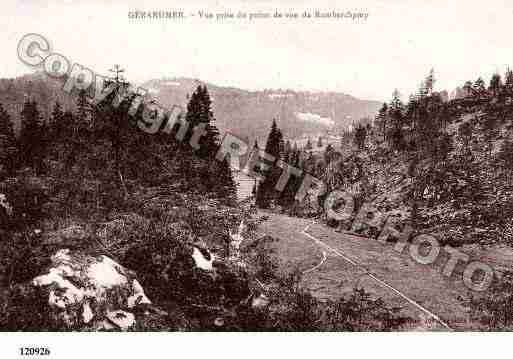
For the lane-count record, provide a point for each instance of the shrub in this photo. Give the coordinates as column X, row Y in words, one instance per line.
column 494, row 309
column 292, row 308
column 15, row 251
column 23, row 308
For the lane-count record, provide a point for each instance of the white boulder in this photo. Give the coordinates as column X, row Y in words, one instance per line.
column 5, row 204
column 201, row 261
column 93, row 291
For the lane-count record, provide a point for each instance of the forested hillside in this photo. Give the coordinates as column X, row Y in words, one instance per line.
column 443, row 167
column 105, row 226
column 443, row 163
column 238, row 111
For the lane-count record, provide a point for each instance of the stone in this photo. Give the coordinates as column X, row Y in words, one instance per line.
column 261, row 301
column 203, row 259
column 123, row 320
column 90, row 292
column 4, row 203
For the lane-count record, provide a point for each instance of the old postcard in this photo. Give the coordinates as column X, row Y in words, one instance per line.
column 253, row 166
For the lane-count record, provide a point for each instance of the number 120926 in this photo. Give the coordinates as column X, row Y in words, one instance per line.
column 33, row 351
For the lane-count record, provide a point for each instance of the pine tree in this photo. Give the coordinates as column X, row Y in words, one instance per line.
column 479, row 87
column 468, row 89
column 6, row 126
column 81, row 129
column 56, row 121
column 360, row 134
column 224, row 187
column 286, row 198
column 396, row 110
column 410, row 111
column 83, row 116
column 211, row 139
column 288, row 146
column 328, row 153
column 31, row 136
column 287, row 152
column 308, row 146
column 395, row 103
column 58, row 132
column 381, row 120
column 83, row 107
column 274, row 145
column 319, row 141
column 266, row 192
column 199, row 112
column 67, row 135
column 423, row 91
column 281, row 145
column 214, row 176
column 114, row 126
column 429, row 82
column 8, row 145
column 508, row 80
column 295, row 159
column 254, row 152
column 495, row 84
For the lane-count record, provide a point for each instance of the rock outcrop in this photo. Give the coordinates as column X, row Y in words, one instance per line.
column 87, row 292
column 6, row 212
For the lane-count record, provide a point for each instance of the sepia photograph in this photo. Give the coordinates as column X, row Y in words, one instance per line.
column 254, row 167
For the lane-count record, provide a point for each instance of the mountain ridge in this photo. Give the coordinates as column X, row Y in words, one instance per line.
column 248, row 113
column 245, row 113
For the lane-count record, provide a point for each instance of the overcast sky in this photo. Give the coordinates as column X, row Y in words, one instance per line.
column 395, row 47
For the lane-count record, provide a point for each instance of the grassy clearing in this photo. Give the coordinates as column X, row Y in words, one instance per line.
column 335, row 278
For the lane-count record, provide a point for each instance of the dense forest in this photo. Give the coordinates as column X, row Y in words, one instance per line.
column 445, row 164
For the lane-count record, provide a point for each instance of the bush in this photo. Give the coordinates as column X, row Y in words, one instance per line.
column 15, row 251
column 292, row 308
column 22, row 308
column 494, row 310
column 27, row 195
